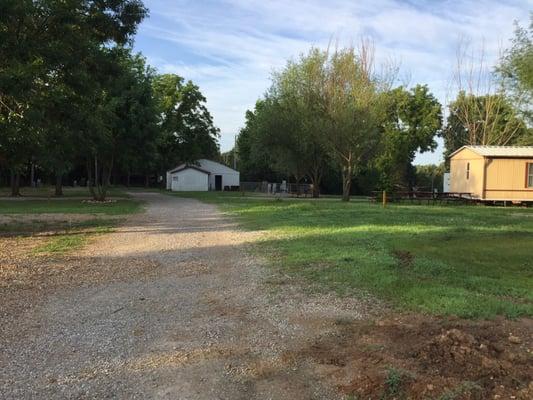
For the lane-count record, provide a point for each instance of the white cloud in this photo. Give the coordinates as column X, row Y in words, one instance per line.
column 229, row 48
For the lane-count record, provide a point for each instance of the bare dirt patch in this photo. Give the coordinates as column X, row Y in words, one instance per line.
column 418, row 357
column 403, row 258
column 17, row 262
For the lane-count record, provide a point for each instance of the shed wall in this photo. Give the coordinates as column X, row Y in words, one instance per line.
column 506, row 179
column 189, row 180
column 459, row 181
column 228, row 179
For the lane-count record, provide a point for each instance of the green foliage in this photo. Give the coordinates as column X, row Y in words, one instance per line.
column 295, row 128
column 61, row 244
column 187, row 129
column 488, row 120
column 413, row 118
column 321, row 110
column 467, row 261
column 429, row 177
column 516, row 70
column 255, row 161
column 326, row 113
column 45, row 49
column 48, row 52
column 71, row 241
column 354, row 109
column 126, row 116
column 72, row 94
column 395, row 382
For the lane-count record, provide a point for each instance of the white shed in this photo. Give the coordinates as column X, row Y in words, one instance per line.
column 203, row 175
column 188, row 179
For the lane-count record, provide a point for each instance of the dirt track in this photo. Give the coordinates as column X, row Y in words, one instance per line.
column 170, row 306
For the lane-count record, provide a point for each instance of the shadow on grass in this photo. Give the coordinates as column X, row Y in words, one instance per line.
column 468, row 261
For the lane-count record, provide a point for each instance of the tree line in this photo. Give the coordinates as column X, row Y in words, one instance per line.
column 335, row 113
column 75, row 98
column 76, row 103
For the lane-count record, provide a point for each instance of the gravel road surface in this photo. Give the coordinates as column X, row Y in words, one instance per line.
column 172, row 305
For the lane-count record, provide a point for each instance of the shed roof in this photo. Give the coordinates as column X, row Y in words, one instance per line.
column 208, row 166
column 499, row 151
column 213, row 166
column 186, row 166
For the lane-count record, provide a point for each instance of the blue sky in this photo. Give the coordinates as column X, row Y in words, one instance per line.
column 230, row 47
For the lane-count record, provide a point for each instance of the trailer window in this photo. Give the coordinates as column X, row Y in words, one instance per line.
column 529, row 180
column 467, row 170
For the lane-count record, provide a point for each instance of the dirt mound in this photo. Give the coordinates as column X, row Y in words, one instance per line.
column 419, row 357
column 460, row 352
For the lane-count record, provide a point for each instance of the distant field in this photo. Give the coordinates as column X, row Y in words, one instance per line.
column 469, row 261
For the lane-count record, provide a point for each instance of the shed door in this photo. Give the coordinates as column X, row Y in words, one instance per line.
column 218, row 182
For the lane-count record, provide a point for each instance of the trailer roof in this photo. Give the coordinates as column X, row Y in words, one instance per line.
column 499, row 151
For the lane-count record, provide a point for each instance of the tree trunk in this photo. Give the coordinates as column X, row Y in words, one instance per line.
column 316, row 191
column 107, row 179
column 146, row 180
column 15, row 184
column 128, row 177
column 32, row 175
column 316, row 178
column 346, row 182
column 298, row 189
column 59, row 184
column 90, row 182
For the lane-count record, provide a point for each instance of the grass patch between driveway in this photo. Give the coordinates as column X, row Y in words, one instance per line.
column 70, row 241
column 469, row 261
column 68, row 192
column 53, row 206
column 63, row 225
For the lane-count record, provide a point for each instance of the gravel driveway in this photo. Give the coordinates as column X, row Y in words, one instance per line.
column 173, row 306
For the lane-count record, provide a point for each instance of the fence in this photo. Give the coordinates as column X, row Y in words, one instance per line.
column 423, row 197
column 284, row 188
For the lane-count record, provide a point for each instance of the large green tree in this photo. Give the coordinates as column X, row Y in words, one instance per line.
column 254, row 160
column 126, row 120
column 187, row 129
column 43, row 42
column 300, row 143
column 413, row 119
column 354, row 110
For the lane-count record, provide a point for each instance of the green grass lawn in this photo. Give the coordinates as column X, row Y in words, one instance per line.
column 469, row 261
column 68, row 233
column 68, row 206
column 68, row 192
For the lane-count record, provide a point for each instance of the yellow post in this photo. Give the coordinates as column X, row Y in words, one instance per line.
column 384, row 198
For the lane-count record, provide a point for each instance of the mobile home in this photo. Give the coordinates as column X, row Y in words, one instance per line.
column 493, row 173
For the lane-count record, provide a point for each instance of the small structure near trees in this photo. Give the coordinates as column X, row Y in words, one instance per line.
column 201, row 176
column 493, row 173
